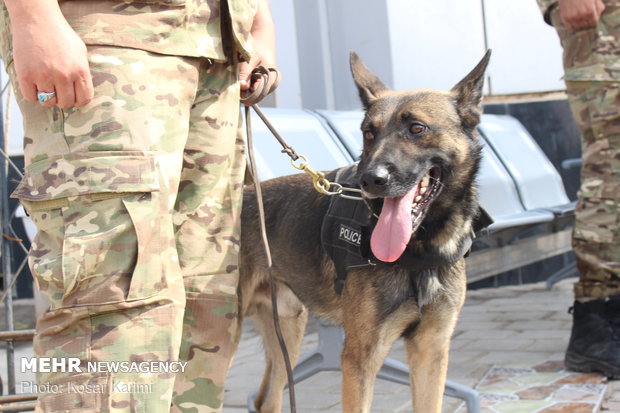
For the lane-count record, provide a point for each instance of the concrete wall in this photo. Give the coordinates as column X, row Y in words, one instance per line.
column 417, row 43
column 407, row 43
column 434, row 43
column 527, row 52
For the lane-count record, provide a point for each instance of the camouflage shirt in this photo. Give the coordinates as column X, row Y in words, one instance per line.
column 547, row 5
column 174, row 27
column 590, row 54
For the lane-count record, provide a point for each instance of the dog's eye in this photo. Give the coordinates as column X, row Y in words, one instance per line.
column 368, row 135
column 416, row 128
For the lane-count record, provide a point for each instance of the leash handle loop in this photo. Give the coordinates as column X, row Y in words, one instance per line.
column 264, row 81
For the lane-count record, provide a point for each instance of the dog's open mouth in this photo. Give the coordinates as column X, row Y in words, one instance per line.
column 401, row 216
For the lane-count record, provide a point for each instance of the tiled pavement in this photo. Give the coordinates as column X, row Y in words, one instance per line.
column 508, row 343
column 502, row 333
column 545, row 387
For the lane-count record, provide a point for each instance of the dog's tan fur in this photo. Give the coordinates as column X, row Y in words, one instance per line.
column 383, row 303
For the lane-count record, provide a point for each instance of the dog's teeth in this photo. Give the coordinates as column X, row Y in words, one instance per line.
column 418, row 198
column 426, row 180
column 423, row 190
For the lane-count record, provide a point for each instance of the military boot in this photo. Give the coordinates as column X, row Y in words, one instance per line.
column 612, row 313
column 594, row 344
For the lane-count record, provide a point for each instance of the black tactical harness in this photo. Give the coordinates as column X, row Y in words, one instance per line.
column 348, row 224
column 346, row 229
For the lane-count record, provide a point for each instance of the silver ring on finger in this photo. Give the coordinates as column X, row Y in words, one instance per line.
column 45, row 96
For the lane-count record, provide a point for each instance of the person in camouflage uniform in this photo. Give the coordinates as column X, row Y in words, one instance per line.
column 589, row 31
column 134, row 175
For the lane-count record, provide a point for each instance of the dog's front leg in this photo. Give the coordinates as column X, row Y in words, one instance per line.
column 427, row 356
column 360, row 364
column 367, row 343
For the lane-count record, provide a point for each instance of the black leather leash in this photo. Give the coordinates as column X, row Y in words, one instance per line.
column 266, row 81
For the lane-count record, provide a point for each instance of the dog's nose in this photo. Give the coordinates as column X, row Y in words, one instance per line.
column 375, row 179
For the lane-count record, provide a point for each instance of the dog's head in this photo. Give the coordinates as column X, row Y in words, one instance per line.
column 420, row 157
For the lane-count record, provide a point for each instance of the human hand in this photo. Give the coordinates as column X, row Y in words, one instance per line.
column 50, row 57
column 581, row 14
column 263, row 34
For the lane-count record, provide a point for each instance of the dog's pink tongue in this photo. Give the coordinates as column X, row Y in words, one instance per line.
column 393, row 230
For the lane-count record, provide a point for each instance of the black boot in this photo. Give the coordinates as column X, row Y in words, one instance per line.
column 612, row 313
column 595, row 338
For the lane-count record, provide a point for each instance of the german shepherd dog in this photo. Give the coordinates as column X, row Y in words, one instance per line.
column 417, row 174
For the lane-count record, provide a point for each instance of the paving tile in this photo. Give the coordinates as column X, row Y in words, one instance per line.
column 467, row 376
column 610, row 406
column 525, row 327
column 459, row 343
column 476, row 316
column 540, row 387
column 518, row 306
column 550, row 345
column 480, row 307
column 498, row 345
column 464, row 325
column 561, row 315
column 466, row 356
column 489, row 335
column 533, row 324
column 392, row 402
column 611, row 401
column 450, row 405
column 502, row 357
column 536, row 392
column 549, row 366
column 559, row 334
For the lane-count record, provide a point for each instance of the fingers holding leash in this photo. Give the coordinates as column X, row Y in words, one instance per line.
column 251, row 75
column 262, row 82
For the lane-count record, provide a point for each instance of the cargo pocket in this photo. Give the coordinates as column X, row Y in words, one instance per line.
column 45, row 256
column 112, row 249
column 149, row 274
column 103, row 246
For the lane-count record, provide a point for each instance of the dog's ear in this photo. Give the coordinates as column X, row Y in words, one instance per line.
column 368, row 85
column 468, row 93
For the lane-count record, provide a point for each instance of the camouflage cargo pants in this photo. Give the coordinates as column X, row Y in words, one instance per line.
column 593, row 88
column 596, row 237
column 136, row 197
